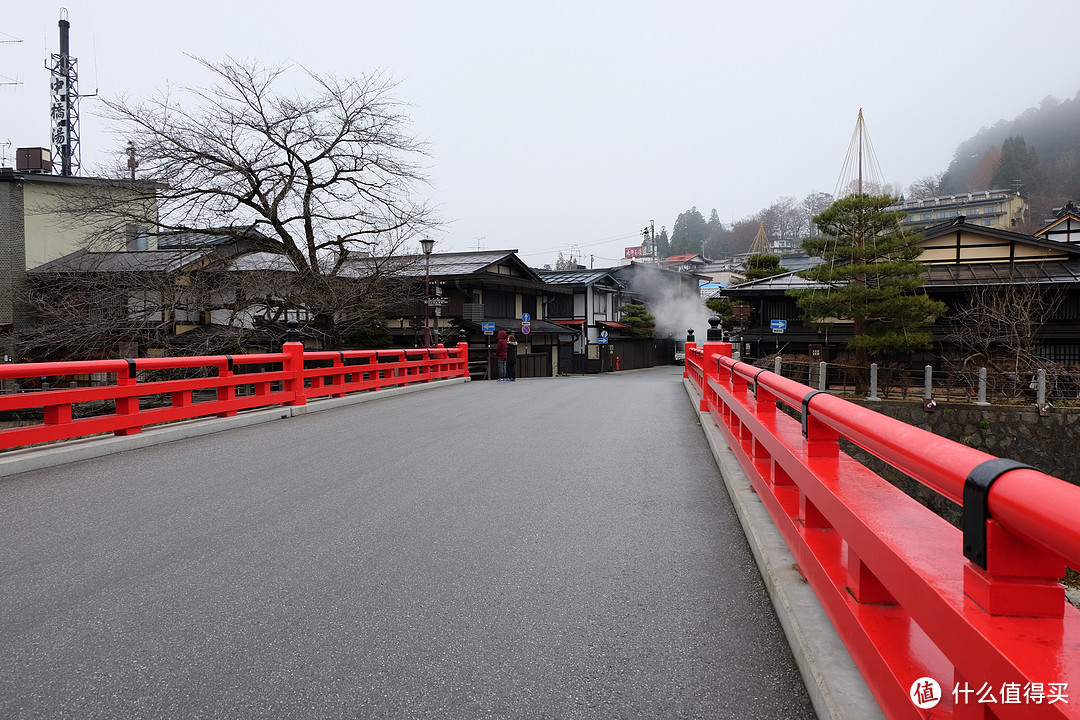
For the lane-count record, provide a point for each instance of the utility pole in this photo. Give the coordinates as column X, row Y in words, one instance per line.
column 132, row 163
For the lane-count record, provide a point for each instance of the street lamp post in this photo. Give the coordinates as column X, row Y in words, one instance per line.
column 427, row 244
column 741, row 314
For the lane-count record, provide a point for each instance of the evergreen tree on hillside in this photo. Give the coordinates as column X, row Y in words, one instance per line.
column 663, row 244
column 689, row 234
column 1017, row 165
column 719, row 243
column 1053, row 127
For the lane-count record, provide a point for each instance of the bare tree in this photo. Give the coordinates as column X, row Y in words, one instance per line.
column 925, row 187
column 95, row 304
column 783, row 221
column 324, row 178
column 813, row 204
column 100, row 304
column 997, row 328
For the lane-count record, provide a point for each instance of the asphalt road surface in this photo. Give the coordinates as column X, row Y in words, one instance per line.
column 548, row 548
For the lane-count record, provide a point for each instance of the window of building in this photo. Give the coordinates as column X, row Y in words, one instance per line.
column 137, row 238
column 600, row 301
column 528, row 305
column 498, row 304
column 561, row 306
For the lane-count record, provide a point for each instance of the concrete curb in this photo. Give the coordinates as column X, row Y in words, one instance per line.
column 836, row 687
column 68, row 451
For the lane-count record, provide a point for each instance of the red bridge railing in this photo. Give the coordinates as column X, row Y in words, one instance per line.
column 979, row 610
column 233, row 382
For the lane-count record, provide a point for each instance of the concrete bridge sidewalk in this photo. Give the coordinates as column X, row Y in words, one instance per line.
column 550, row 548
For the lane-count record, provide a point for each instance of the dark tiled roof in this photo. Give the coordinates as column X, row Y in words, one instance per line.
column 574, row 277
column 944, row 275
column 442, row 264
column 775, row 283
column 513, row 325
column 122, row 261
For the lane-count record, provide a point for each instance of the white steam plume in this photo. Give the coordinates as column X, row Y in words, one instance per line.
column 676, row 310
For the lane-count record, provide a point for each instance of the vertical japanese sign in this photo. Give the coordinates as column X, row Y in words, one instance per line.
column 58, row 112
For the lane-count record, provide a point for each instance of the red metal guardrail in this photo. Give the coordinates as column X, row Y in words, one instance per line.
column 979, row 611
column 291, row 377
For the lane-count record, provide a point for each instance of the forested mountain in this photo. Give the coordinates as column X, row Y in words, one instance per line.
column 1038, row 151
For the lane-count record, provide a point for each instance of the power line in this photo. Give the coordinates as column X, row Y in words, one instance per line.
column 602, row 241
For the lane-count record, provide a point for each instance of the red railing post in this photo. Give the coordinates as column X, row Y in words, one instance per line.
column 1020, row 580
column 338, row 379
column 821, row 439
column 710, row 368
column 865, row 587
column 127, row 377
column 463, row 359
column 226, row 393
column 58, row 414
column 294, row 370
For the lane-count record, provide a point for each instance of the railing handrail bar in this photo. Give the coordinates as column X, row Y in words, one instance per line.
column 1036, row 507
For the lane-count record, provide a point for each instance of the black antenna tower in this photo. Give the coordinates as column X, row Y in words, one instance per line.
column 64, row 110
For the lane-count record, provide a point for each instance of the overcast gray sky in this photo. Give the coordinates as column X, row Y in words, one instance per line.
column 560, row 124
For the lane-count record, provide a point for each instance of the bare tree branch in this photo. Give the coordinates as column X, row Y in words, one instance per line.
column 321, row 176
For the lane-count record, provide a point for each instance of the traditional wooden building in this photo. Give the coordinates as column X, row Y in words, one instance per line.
column 469, row 289
column 960, row 259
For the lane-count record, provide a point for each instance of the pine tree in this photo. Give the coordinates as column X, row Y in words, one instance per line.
column 763, row 266
column 1017, row 164
column 871, row 277
column 639, row 319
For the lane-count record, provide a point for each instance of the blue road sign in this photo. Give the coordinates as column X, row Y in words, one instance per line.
column 601, row 340
column 488, row 327
column 778, row 326
column 526, row 318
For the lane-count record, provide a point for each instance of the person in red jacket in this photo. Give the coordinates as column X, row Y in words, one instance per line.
column 511, row 357
column 500, row 355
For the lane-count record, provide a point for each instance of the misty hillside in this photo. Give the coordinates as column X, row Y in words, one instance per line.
column 1038, row 151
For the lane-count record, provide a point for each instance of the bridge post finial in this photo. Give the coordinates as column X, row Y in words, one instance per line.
column 714, row 334
column 292, row 332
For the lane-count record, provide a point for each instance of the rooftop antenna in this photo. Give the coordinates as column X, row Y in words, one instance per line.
column 575, row 254
column 4, row 79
